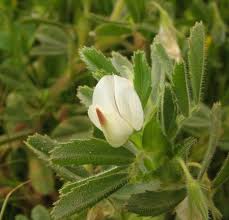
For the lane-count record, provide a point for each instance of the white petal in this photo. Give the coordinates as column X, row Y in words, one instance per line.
column 115, row 129
column 128, row 102
column 93, row 116
column 103, row 95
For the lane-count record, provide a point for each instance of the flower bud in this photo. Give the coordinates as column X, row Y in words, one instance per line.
column 167, row 38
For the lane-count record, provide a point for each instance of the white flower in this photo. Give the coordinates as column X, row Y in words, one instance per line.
column 116, row 109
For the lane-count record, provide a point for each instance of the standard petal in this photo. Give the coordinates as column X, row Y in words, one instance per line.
column 128, row 102
column 103, row 95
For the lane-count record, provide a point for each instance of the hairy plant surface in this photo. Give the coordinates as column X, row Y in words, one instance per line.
column 114, row 110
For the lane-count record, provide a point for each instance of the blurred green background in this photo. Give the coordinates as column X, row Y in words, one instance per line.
column 40, row 70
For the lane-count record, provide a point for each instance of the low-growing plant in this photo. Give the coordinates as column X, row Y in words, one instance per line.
column 139, row 158
column 41, row 67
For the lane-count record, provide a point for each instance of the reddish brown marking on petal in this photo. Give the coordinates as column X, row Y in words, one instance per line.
column 101, row 117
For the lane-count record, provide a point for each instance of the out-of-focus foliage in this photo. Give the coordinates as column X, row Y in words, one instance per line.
column 41, row 67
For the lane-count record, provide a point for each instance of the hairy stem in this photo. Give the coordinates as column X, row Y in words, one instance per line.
column 185, row 169
column 215, row 129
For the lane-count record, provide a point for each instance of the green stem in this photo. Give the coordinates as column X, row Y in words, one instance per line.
column 223, row 174
column 8, row 196
column 185, row 169
column 208, row 157
column 213, row 139
column 117, row 10
column 86, row 6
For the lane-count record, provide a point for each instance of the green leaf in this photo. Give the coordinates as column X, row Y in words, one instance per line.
column 88, row 194
column 112, row 29
column 125, row 192
column 142, row 76
column 41, row 176
column 98, row 74
column 161, row 66
column 168, row 113
column 137, row 9
column 41, row 145
column 223, row 174
column 155, row 203
column 71, row 185
column 72, row 128
column 196, row 59
column 123, row 66
column 180, row 87
column 92, row 151
column 84, row 93
column 40, row 213
column 95, row 60
column 158, row 52
column 154, row 142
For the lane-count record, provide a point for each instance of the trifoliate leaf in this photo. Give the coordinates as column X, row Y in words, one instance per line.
column 92, row 151
column 88, row 194
column 95, row 60
column 155, row 203
column 41, row 145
